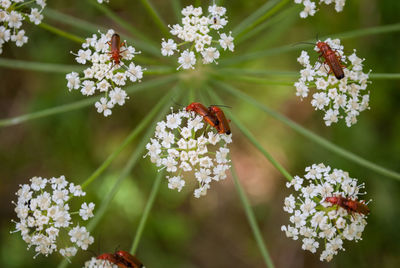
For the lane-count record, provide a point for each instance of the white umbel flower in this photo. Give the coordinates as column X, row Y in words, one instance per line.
column 339, row 99
column 13, row 13
column 198, row 32
column 310, row 7
column 104, row 75
column 43, row 214
column 95, row 263
column 319, row 222
column 183, row 145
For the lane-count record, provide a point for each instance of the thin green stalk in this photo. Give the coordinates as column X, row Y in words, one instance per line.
column 176, row 6
column 80, row 104
column 252, row 220
column 277, row 21
column 269, row 9
column 128, row 140
column 146, row 212
column 251, row 138
column 254, row 80
column 290, row 47
column 156, row 17
column 72, row 21
column 310, row 135
column 254, row 19
column 61, row 33
column 39, row 66
column 142, row 40
column 381, row 76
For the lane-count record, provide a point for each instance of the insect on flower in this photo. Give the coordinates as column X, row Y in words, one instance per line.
column 122, row 259
column 207, row 115
column 332, row 58
column 223, row 124
column 349, row 204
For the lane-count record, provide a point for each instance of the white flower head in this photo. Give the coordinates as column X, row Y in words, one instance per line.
column 44, row 215
column 96, row 263
column 105, row 74
column 339, row 98
column 197, row 32
column 185, row 145
column 310, row 7
column 13, row 14
column 320, row 210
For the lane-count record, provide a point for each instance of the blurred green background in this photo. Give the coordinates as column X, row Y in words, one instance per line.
column 212, row 231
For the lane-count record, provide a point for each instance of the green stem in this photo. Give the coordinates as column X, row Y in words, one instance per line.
column 252, row 220
column 128, row 139
column 39, row 66
column 176, row 6
column 379, row 76
column 146, row 212
column 251, row 138
column 254, row 80
column 310, row 135
column 269, row 9
column 80, row 104
column 61, row 33
column 156, row 17
column 142, row 40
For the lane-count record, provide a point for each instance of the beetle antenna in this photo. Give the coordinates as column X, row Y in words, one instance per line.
column 176, row 103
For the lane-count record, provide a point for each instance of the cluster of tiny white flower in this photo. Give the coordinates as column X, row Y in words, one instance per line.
column 182, row 143
column 196, row 31
column 104, row 74
column 12, row 14
column 44, row 214
column 318, row 220
column 310, row 6
column 347, row 96
column 103, row 1
column 95, row 263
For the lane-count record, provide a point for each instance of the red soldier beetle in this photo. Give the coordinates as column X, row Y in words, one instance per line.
column 348, row 204
column 202, row 110
column 115, row 46
column 332, row 59
column 223, row 124
column 131, row 260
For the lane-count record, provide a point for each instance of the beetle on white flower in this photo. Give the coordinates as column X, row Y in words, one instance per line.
column 197, row 32
column 344, row 98
column 12, row 15
column 182, row 144
column 315, row 219
column 104, row 75
column 43, row 213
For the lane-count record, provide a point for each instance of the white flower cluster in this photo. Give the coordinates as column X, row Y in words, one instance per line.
column 320, row 222
column 103, row 1
column 12, row 14
column 182, row 143
column 196, row 31
column 44, row 215
column 104, row 74
column 95, row 263
column 310, row 8
column 344, row 98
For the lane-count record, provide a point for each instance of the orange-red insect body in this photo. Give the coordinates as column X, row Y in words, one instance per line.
column 122, row 259
column 129, row 259
column 348, row 204
column 202, row 110
column 223, row 124
column 332, row 59
column 115, row 46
